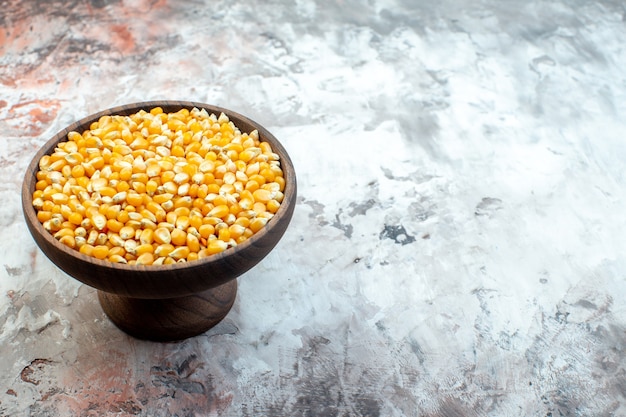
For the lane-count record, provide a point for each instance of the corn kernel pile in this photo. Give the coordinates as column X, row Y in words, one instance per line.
column 157, row 188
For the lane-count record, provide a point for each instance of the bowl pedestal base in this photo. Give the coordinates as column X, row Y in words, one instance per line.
column 169, row 319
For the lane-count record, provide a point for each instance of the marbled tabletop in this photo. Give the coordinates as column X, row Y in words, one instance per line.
column 458, row 245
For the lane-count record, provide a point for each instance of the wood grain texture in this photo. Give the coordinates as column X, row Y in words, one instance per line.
column 165, row 281
column 170, row 319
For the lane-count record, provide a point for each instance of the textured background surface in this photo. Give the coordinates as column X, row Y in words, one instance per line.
column 458, row 244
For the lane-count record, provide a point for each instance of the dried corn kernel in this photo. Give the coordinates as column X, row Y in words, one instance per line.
column 157, row 188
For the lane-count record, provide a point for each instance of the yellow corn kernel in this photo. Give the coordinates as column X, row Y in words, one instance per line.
column 252, row 185
column 262, row 196
column 224, row 234
column 206, row 230
column 123, row 216
column 259, row 207
column 75, row 218
column 216, row 246
column 86, row 249
column 257, row 224
column 144, row 248
column 236, row 230
column 178, row 237
column 273, row 206
column 134, row 199
column 122, row 186
column 243, row 221
column 219, row 211
column 100, row 251
column 192, row 243
column 164, row 249
column 151, row 187
column 126, row 173
column 117, row 250
column 184, row 201
column 257, row 178
column 162, row 198
column 44, row 215
column 146, row 258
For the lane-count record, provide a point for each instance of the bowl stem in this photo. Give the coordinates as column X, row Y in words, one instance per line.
column 169, row 319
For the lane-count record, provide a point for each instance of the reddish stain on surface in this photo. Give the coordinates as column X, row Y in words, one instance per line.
column 32, row 117
column 122, row 38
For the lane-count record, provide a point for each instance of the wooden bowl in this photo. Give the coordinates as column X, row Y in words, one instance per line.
column 164, row 302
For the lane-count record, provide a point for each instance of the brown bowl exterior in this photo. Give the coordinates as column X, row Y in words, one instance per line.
column 162, row 281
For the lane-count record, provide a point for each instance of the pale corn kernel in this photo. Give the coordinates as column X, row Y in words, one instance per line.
column 130, row 246
column 79, row 241
column 162, row 235
column 102, row 239
column 99, row 221
column 147, row 224
column 69, row 241
column 80, row 232
column 183, row 190
column 168, row 205
column 116, row 240
column 117, row 259
column 127, row 232
column 180, row 252
column 146, row 258
column 146, row 236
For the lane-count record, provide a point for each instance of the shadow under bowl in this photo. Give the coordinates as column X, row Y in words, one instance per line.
column 164, row 302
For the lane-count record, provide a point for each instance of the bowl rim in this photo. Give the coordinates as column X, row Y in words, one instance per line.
column 30, row 179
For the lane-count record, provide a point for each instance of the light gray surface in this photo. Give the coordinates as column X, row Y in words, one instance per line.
column 457, row 248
